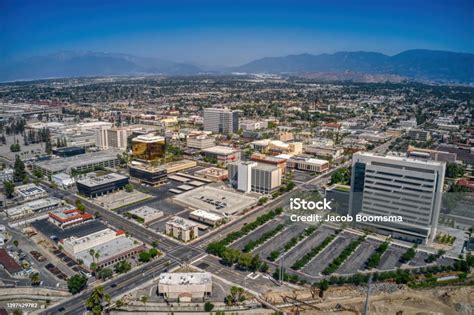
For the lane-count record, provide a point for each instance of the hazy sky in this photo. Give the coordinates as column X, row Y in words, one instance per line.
column 233, row 32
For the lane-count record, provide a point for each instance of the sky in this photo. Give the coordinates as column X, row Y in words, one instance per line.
column 226, row 33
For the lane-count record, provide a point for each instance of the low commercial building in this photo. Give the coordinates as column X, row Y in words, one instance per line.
column 206, row 217
column 304, row 163
column 79, row 163
column 201, row 141
column 147, row 173
column 182, row 229
column 222, row 154
column 328, row 152
column 9, row 264
column 178, row 166
column 185, row 287
column 32, row 207
column 63, row 180
column 146, row 214
column 428, row 154
column 94, row 186
column 276, row 147
column 213, row 173
column 69, row 151
column 251, row 125
column 419, row 135
column 30, row 192
column 65, row 218
column 375, row 137
column 6, row 175
column 252, row 176
column 111, row 245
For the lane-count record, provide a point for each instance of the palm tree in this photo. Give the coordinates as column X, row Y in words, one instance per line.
column 92, row 253
column 144, row 299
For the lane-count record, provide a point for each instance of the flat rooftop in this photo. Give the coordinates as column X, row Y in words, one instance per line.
column 100, row 180
column 29, row 190
column 220, row 149
column 62, row 164
column 144, row 211
column 399, row 159
column 206, row 215
column 107, row 250
column 185, row 278
column 182, row 223
column 216, row 199
column 149, row 138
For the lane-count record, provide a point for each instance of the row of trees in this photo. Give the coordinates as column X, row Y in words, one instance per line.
column 262, row 239
column 291, row 243
column 300, row 263
column 334, row 265
column 374, row 259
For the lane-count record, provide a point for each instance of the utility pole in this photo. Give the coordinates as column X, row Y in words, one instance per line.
column 366, row 310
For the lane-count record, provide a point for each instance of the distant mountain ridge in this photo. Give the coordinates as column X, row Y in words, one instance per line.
column 84, row 64
column 418, row 64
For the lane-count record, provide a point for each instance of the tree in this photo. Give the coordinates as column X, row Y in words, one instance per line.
column 208, row 306
column 122, row 266
column 9, row 187
column 144, row 256
column 19, row 172
column 76, row 283
column 35, row 279
column 129, row 187
column 454, row 170
column 105, row 273
column 236, row 295
column 323, row 285
column 15, row 242
column 96, row 299
column 153, row 252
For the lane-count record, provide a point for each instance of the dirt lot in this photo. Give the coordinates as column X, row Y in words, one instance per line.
column 347, row 300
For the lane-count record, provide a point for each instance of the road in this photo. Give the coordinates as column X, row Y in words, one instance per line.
column 115, row 287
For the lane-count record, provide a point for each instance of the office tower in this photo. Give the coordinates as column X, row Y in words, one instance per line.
column 396, row 186
column 148, row 147
column 111, row 138
column 221, row 120
column 252, row 176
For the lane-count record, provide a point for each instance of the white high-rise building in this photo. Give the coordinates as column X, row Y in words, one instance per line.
column 221, row 120
column 111, row 138
column 252, row 176
column 397, row 186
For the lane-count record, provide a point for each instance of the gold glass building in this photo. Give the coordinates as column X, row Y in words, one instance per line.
column 148, row 147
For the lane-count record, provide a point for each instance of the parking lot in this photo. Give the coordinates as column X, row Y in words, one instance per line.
column 257, row 233
column 323, row 259
column 357, row 261
column 279, row 241
column 304, row 247
column 391, row 258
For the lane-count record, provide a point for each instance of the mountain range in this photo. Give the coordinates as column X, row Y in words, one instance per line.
column 418, row 64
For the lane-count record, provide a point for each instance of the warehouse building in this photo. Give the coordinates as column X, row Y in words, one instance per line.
column 94, row 186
